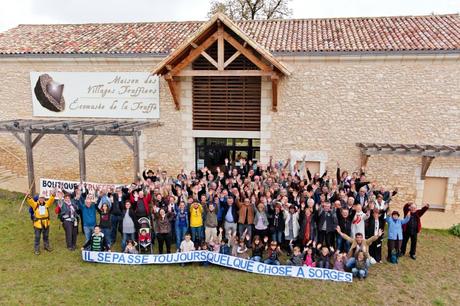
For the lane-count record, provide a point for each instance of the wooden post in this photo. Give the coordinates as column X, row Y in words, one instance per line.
column 81, row 155
column 274, row 79
column 136, row 154
column 30, row 160
column 426, row 162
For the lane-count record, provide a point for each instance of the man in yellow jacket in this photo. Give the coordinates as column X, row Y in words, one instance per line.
column 41, row 220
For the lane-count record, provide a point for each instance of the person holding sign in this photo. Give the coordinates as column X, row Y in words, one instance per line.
column 41, row 220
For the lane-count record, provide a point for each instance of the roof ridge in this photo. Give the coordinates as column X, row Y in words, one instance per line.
column 241, row 21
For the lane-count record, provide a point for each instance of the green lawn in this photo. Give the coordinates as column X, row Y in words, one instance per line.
column 61, row 277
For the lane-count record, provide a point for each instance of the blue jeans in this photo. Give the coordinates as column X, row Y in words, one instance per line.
column 107, row 234
column 256, row 258
column 351, row 262
column 343, row 245
column 361, row 273
column 196, row 233
column 180, row 234
column 278, row 237
column 126, row 237
column 272, row 262
column 88, row 232
column 115, row 220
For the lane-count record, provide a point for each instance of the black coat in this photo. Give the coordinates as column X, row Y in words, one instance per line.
column 329, row 217
column 370, row 224
column 133, row 217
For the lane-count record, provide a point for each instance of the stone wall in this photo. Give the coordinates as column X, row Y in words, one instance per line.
column 329, row 105
column 108, row 159
column 325, row 107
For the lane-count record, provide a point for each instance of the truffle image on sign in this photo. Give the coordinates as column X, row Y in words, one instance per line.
column 49, row 93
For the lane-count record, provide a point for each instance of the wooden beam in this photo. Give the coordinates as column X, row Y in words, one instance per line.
column 72, row 141
column 81, row 155
column 224, row 73
column 194, row 54
column 220, row 46
column 232, row 58
column 90, row 141
column 274, row 93
column 30, row 161
column 37, row 139
column 16, row 135
column 173, row 88
column 210, row 59
column 136, row 159
column 126, row 141
column 246, row 52
column 426, row 162
column 364, row 158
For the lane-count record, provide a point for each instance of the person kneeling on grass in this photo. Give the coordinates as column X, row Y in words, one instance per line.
column 41, row 220
column 97, row 242
column 274, row 253
column 131, row 247
column 361, row 266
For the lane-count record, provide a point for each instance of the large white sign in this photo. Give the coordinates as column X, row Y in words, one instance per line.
column 47, row 186
column 95, row 94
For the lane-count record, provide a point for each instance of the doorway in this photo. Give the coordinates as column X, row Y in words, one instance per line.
column 212, row 152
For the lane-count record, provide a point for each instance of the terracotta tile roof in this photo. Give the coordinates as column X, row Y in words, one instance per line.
column 407, row 33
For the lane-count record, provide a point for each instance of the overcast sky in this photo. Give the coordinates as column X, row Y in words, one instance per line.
column 14, row 12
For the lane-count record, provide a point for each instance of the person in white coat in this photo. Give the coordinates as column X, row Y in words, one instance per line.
column 291, row 221
column 358, row 221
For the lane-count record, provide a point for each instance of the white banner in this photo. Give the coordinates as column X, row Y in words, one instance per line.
column 133, row 95
column 48, row 185
column 218, row 259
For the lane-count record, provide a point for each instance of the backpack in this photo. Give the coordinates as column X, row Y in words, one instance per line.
column 394, row 257
column 32, row 213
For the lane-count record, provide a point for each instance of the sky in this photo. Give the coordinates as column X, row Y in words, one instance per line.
column 14, row 12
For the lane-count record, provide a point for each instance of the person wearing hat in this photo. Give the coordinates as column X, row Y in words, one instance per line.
column 395, row 235
column 41, row 219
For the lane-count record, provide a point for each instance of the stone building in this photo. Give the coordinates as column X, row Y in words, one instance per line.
column 312, row 88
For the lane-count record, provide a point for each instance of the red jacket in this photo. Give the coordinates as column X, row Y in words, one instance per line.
column 418, row 214
column 146, row 199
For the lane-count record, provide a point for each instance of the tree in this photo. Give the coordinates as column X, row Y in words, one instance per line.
column 251, row 9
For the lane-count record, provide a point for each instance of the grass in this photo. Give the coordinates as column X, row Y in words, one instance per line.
column 61, row 277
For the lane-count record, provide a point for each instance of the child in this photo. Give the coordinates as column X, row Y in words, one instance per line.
column 242, row 250
column 395, row 232
column 225, row 247
column 204, row 247
column 310, row 259
column 214, row 244
column 258, row 248
column 274, row 253
column 187, row 244
column 97, row 241
column 339, row 261
column 297, row 256
column 144, row 236
column 233, row 243
column 324, row 257
column 131, row 247
column 360, row 270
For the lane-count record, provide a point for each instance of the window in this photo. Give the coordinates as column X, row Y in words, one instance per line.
column 434, row 191
column 313, row 166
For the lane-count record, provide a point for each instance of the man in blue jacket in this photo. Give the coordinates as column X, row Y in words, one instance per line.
column 87, row 207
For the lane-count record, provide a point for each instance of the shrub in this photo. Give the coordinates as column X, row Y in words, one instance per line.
column 455, row 230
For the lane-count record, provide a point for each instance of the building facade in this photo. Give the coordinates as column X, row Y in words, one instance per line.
column 298, row 89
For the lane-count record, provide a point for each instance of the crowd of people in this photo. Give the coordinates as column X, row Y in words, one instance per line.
column 276, row 214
